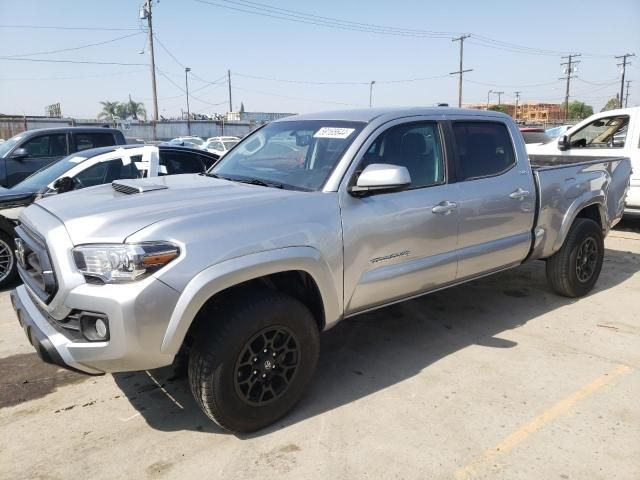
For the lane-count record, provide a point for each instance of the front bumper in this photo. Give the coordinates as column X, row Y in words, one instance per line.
column 42, row 337
column 137, row 322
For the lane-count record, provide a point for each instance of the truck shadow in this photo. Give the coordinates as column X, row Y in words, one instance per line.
column 371, row 352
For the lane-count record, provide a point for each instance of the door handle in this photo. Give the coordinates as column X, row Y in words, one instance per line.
column 519, row 194
column 445, row 207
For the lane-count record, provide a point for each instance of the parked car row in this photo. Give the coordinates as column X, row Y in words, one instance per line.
column 89, row 168
column 307, row 221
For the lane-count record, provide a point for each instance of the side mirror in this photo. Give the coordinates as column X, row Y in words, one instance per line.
column 381, row 177
column 20, row 153
column 618, row 141
column 563, row 143
column 64, row 184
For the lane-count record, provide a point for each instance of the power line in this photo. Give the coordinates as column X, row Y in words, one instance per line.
column 626, row 98
column 79, row 47
column 298, row 98
column 265, row 10
column 56, row 27
column 75, row 77
column 71, row 61
column 184, row 91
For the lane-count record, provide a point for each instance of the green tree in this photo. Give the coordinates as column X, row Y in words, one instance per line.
column 611, row 104
column 109, row 110
column 136, row 109
column 579, row 110
column 499, row 108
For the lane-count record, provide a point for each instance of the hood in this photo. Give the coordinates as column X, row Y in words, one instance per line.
column 10, row 198
column 101, row 214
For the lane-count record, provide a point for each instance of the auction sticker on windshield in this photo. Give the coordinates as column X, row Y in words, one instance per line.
column 334, row 132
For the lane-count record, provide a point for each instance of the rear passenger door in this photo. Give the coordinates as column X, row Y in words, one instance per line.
column 41, row 151
column 497, row 198
column 402, row 243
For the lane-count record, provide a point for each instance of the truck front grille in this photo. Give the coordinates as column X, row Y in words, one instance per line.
column 34, row 264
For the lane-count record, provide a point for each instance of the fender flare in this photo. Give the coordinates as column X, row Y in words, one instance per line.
column 572, row 214
column 229, row 273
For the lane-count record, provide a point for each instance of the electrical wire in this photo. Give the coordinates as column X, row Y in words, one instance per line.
column 185, row 92
column 297, row 98
column 75, row 77
column 72, row 61
column 54, row 27
column 80, row 47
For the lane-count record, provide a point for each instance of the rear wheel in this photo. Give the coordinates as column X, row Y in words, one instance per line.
column 8, row 270
column 252, row 361
column 574, row 269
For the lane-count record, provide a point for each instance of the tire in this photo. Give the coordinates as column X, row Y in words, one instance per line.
column 233, row 334
column 568, row 273
column 8, row 269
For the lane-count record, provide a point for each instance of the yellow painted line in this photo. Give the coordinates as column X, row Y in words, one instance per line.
column 488, row 457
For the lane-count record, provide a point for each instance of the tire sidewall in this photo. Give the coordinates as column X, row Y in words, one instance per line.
column 232, row 409
column 14, row 271
column 587, row 229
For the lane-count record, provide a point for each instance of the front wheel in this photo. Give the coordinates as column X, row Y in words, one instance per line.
column 8, row 270
column 574, row 269
column 252, row 360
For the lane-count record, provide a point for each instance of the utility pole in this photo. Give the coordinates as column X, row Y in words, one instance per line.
column 146, row 13
column 624, row 70
column 499, row 96
column 186, row 84
column 488, row 93
column 626, row 98
column 229, row 82
column 515, row 110
column 371, row 92
column 569, row 70
column 460, row 71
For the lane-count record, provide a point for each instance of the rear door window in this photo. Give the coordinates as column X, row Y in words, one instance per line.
column 107, row 172
column 85, row 141
column 484, row 149
column 175, row 163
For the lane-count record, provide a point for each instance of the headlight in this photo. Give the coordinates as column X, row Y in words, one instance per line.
column 118, row 263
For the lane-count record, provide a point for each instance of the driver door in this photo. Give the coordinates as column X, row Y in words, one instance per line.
column 403, row 243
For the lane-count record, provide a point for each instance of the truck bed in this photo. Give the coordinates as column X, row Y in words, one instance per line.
column 569, row 184
column 551, row 161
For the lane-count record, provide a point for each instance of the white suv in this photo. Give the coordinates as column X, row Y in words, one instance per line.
column 220, row 145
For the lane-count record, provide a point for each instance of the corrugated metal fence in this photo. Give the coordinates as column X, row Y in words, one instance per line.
column 166, row 130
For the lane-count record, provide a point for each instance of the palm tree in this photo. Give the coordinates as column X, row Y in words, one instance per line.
column 109, row 110
column 136, row 109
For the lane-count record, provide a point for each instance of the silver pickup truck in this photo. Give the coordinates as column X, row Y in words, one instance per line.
column 307, row 221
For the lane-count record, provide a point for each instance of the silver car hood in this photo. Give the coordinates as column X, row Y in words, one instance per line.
column 101, row 214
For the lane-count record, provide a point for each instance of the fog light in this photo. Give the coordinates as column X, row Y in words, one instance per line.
column 101, row 328
column 94, row 326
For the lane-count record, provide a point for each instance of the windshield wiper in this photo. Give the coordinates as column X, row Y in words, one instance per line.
column 262, row 183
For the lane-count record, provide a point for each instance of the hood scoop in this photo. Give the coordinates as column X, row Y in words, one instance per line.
column 131, row 187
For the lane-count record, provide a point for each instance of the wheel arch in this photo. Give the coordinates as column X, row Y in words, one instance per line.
column 276, row 267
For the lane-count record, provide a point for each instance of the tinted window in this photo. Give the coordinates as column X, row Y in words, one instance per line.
column 483, row 148
column 415, row 146
column 180, row 162
column 93, row 140
column 106, row 172
column 47, row 145
column 610, row 132
column 536, row 137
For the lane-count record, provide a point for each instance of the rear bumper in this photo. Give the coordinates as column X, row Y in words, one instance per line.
column 42, row 335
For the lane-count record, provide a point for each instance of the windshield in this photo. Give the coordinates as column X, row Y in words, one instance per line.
column 6, row 147
column 536, row 137
column 229, row 143
column 197, row 141
column 43, row 177
column 299, row 154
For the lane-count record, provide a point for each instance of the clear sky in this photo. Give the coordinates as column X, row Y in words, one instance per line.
column 211, row 39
